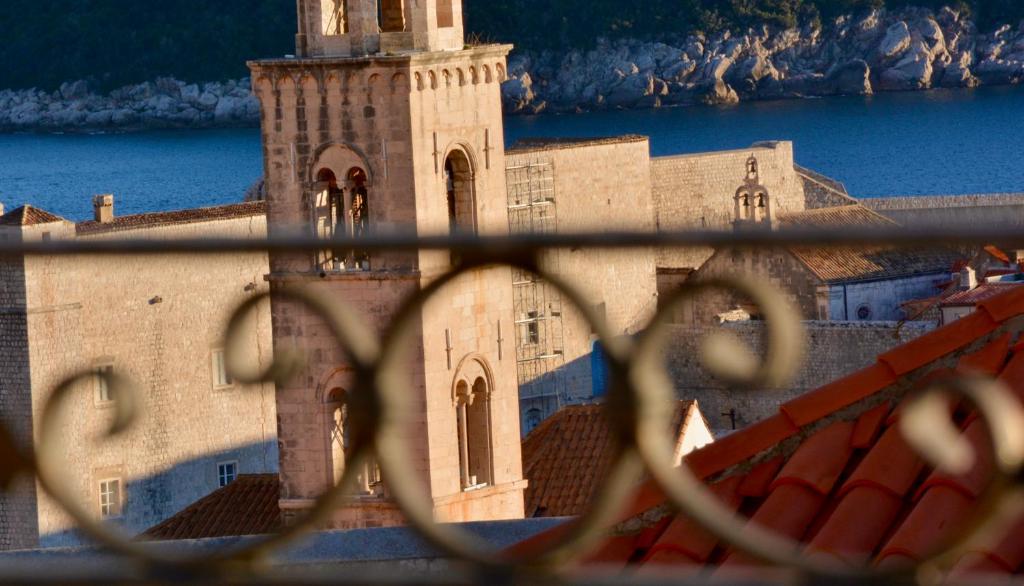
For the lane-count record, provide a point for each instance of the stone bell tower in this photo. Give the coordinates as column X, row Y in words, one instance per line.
column 386, row 121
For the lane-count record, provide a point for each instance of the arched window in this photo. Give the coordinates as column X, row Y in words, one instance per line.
column 369, row 481
column 359, row 216
column 337, row 427
column 474, row 431
column 329, row 214
column 334, row 17
column 459, row 192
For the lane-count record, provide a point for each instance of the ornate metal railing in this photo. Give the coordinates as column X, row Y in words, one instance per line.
column 638, row 391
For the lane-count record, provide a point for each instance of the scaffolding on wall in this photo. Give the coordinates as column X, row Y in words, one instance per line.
column 540, row 354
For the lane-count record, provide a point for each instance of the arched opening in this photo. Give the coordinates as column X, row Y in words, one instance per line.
column 337, row 431
column 359, row 216
column 392, row 16
column 460, row 195
column 474, row 430
column 368, row 481
column 329, row 212
column 342, row 210
column 334, row 17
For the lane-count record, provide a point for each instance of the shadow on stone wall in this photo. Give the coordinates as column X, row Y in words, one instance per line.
column 153, row 499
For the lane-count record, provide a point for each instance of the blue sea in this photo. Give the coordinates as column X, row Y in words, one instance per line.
column 920, row 143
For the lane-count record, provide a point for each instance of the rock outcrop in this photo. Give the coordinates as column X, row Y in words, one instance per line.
column 903, row 50
column 164, row 103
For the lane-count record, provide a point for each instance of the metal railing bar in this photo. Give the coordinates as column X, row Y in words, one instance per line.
column 895, row 237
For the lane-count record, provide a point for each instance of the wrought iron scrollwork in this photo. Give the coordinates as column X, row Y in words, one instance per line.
column 639, row 391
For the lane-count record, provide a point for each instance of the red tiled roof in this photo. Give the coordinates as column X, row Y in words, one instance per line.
column 977, row 295
column 832, row 470
column 247, row 506
column 858, row 263
column 190, row 216
column 567, row 454
column 27, row 215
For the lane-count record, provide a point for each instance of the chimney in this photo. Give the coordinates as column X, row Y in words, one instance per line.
column 968, row 279
column 103, row 208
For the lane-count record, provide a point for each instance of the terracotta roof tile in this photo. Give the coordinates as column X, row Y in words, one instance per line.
column 247, row 506
column 853, row 489
column 758, row 483
column 869, row 425
column 819, row 461
column 977, row 295
column 685, row 538
column 943, row 341
column 27, row 215
column 189, row 216
column 842, row 393
column 858, row 263
column 567, row 454
column 1005, row 306
column 738, row 447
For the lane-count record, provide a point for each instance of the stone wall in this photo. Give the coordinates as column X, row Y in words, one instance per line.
column 834, row 350
column 821, row 191
column 697, row 191
column 599, row 185
column 156, row 320
column 19, row 525
column 398, row 118
column 952, row 211
column 881, row 298
column 775, row 266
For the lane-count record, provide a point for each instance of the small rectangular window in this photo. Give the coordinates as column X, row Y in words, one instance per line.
column 221, row 378
column 530, row 328
column 110, row 498
column 227, row 472
column 103, row 384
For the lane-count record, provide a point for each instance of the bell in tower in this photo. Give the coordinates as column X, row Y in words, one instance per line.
column 753, row 206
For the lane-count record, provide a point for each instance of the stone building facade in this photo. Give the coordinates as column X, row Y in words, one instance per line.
column 384, row 126
column 157, row 320
column 385, row 121
column 832, row 351
column 578, row 186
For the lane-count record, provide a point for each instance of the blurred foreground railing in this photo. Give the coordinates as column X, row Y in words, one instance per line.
column 638, row 391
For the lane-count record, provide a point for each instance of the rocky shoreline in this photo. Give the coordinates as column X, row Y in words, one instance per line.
column 904, row 50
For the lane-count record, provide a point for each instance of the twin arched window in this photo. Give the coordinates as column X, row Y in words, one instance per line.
column 339, row 435
column 473, row 406
column 342, row 210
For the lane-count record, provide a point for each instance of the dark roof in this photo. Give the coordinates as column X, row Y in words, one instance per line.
column 565, row 457
column 542, row 143
column 27, row 215
column 832, row 470
column 864, row 263
column 190, row 216
column 247, row 506
column 978, row 294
